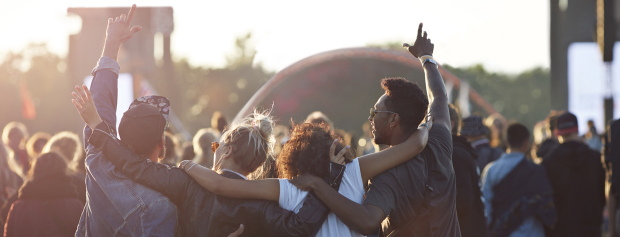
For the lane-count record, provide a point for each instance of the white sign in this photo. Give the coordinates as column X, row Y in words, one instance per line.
column 125, row 94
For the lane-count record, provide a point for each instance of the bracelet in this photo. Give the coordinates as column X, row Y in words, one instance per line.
column 425, row 125
column 427, row 58
column 188, row 169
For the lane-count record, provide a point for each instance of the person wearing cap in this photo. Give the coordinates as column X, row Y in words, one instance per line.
column 578, row 180
column 242, row 150
column 474, row 130
column 518, row 197
column 116, row 205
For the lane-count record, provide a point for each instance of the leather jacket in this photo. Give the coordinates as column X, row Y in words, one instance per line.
column 203, row 213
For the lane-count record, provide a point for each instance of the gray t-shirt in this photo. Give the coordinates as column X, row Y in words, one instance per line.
column 399, row 191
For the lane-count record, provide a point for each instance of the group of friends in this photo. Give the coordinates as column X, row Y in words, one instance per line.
column 439, row 175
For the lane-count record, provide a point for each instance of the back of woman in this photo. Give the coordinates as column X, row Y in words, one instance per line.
column 48, row 203
column 308, row 152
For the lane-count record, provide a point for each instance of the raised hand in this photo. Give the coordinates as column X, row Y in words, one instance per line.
column 83, row 102
column 337, row 158
column 118, row 32
column 422, row 45
column 119, row 29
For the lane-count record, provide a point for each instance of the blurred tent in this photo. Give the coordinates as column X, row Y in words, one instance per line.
column 344, row 84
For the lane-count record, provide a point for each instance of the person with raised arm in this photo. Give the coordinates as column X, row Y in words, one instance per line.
column 418, row 196
column 306, row 152
column 116, row 205
column 244, row 148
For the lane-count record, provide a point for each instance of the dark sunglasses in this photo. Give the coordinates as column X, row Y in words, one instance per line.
column 214, row 146
column 373, row 112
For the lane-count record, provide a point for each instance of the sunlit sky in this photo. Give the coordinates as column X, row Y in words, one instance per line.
column 507, row 36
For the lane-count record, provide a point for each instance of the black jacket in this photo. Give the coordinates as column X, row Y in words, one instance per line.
column 469, row 206
column 202, row 213
column 578, row 180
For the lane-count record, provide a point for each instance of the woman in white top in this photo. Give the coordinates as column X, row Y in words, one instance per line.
column 310, row 150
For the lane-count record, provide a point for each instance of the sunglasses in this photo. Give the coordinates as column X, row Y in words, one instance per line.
column 373, row 112
column 214, row 146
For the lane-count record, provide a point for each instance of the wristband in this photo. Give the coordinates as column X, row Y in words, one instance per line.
column 188, row 169
column 427, row 58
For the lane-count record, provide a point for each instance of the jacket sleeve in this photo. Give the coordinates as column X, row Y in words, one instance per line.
column 170, row 181
column 104, row 89
column 276, row 221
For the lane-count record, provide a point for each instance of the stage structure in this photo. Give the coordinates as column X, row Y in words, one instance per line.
column 344, row 84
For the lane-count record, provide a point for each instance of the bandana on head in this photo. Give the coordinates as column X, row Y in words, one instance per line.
column 160, row 102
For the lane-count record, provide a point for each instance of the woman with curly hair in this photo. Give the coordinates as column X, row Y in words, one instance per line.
column 310, row 150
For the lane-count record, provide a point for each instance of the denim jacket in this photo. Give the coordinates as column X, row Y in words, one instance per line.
column 115, row 204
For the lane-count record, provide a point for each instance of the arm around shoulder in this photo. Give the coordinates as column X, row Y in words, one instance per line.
column 170, row 181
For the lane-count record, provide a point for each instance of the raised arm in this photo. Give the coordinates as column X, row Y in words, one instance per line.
column 435, row 88
column 373, row 164
column 172, row 182
column 104, row 85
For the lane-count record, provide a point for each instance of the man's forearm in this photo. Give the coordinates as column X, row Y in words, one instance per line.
column 434, row 83
column 354, row 215
column 110, row 50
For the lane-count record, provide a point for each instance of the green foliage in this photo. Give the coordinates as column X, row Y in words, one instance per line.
column 206, row 90
column 48, row 86
column 522, row 98
column 202, row 90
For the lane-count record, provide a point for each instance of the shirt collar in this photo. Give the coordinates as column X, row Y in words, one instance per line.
column 480, row 142
column 242, row 176
column 513, row 155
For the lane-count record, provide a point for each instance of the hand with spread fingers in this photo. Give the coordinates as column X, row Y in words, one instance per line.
column 83, row 102
column 422, row 45
column 337, row 158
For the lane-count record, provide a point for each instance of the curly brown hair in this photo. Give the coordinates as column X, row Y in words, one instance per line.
column 308, row 151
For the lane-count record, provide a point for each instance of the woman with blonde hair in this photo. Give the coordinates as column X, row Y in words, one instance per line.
column 35, row 144
column 14, row 136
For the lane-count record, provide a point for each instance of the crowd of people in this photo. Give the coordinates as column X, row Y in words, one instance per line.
column 419, row 170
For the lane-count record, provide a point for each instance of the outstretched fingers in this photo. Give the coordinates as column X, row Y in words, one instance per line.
column 340, row 157
column 332, row 149
column 131, row 12
column 89, row 96
column 420, row 30
column 78, row 97
column 82, row 93
column 76, row 104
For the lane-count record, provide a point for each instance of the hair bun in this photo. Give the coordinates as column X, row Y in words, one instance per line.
column 262, row 122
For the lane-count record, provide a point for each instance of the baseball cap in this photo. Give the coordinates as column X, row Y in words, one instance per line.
column 144, row 123
column 566, row 124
